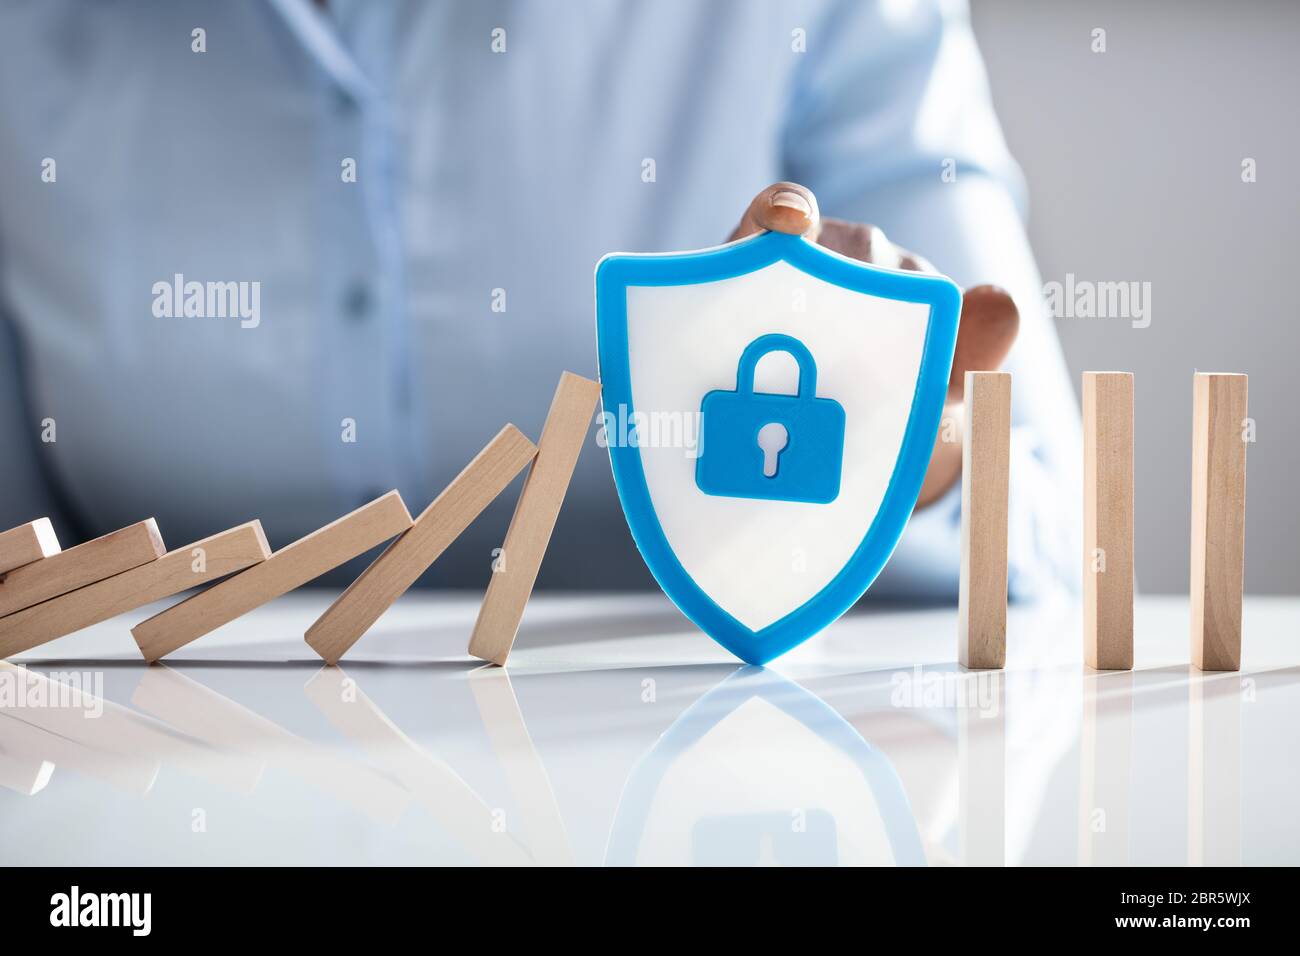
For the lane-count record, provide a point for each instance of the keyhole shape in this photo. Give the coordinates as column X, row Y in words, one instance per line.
column 772, row 438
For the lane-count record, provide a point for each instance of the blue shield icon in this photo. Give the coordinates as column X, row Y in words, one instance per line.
column 770, row 408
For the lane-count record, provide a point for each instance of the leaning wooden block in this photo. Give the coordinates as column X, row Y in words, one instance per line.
column 534, row 517
column 85, row 564
column 176, row 571
column 1108, row 520
column 1218, row 519
column 290, row 567
column 985, row 482
column 406, row 559
column 27, row 543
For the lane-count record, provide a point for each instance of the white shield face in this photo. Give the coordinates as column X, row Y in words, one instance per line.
column 773, row 565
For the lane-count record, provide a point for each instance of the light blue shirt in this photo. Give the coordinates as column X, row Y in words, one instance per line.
column 499, row 148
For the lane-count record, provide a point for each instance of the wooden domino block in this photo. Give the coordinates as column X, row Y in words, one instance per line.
column 1108, row 520
column 176, row 571
column 27, row 543
column 1218, row 519
column 289, row 568
column 534, row 518
column 985, row 480
column 85, row 564
column 357, row 608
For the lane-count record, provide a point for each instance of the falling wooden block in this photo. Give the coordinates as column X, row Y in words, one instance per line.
column 291, row 567
column 1218, row 519
column 85, row 564
column 534, row 517
column 985, row 477
column 176, row 571
column 1108, row 520
column 357, row 608
column 27, row 543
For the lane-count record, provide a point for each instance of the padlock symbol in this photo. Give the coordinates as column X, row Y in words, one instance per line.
column 773, row 447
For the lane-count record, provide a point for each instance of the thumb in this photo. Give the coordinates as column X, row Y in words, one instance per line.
column 781, row 207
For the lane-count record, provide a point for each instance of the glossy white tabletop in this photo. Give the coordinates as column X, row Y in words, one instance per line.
column 620, row 734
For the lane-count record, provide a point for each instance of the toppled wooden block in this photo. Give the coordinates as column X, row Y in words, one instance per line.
column 403, row 561
column 27, row 543
column 534, row 517
column 289, row 568
column 85, row 564
column 179, row 570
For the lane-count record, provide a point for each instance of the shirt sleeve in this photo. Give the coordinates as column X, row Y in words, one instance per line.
column 891, row 123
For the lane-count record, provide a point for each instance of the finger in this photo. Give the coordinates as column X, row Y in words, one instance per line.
column 781, row 207
column 859, row 241
column 914, row 263
column 989, row 323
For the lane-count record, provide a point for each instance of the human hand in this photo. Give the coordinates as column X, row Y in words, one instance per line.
column 989, row 318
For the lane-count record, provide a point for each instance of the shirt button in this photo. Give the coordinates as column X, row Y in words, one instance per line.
column 357, row 301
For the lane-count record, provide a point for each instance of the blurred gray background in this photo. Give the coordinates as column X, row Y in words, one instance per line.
column 1134, row 160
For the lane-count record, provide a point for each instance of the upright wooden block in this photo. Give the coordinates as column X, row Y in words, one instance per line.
column 357, row 608
column 534, row 517
column 176, row 571
column 985, row 481
column 68, row 570
column 1108, row 520
column 1218, row 519
column 290, row 567
column 27, row 543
